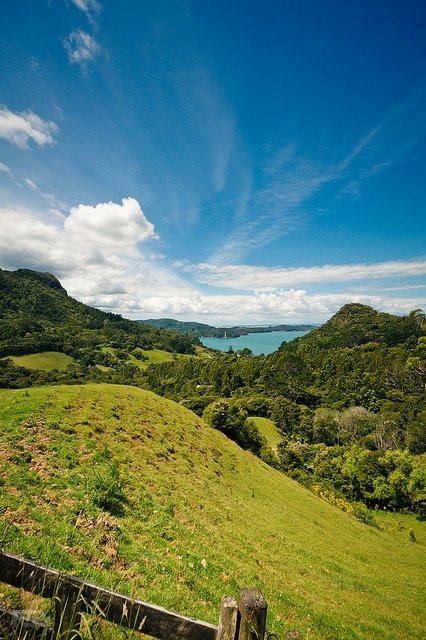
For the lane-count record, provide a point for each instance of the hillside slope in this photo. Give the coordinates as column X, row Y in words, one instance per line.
column 134, row 492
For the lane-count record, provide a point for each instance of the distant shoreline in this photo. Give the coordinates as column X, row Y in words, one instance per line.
column 200, row 330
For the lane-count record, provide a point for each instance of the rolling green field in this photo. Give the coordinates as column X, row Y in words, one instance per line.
column 45, row 360
column 136, row 493
column 155, row 356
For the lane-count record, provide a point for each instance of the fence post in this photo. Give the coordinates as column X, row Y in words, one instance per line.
column 68, row 606
column 252, row 609
column 227, row 629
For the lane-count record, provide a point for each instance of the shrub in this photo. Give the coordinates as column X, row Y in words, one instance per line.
column 227, row 416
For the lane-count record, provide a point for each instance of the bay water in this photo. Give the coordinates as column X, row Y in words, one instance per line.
column 265, row 342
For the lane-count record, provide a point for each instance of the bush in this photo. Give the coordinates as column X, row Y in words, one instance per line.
column 227, row 416
column 197, row 404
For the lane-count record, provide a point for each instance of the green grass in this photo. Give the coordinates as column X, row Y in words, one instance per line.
column 45, row 360
column 155, row 356
column 268, row 430
column 133, row 492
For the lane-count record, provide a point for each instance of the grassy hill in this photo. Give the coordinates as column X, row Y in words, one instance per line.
column 45, row 361
column 268, row 430
column 134, row 492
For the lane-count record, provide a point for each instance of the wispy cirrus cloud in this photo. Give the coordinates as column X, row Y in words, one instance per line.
column 22, row 128
column 259, row 278
column 81, row 48
column 5, row 169
column 91, row 8
column 292, row 180
column 275, row 209
column 50, row 198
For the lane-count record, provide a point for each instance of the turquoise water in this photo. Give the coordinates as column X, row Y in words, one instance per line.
column 257, row 342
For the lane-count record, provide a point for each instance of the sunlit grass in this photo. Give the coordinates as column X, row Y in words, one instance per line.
column 154, row 356
column 45, row 360
column 268, row 430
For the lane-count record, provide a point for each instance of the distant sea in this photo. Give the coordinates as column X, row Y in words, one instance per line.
column 257, row 342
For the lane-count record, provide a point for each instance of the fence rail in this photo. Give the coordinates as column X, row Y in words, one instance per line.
column 242, row 619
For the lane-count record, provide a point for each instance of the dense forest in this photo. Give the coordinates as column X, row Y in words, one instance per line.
column 348, row 399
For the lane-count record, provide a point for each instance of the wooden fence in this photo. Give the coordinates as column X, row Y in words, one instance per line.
column 242, row 619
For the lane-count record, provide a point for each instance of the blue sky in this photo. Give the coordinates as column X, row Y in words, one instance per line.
column 229, row 162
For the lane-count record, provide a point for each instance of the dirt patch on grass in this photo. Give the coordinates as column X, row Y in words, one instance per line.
column 103, row 530
column 37, row 445
column 20, row 518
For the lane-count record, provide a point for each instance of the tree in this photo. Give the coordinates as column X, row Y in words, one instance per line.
column 325, row 426
column 286, row 415
column 230, row 418
column 354, row 423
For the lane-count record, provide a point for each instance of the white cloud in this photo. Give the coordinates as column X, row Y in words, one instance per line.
column 110, row 224
column 258, row 278
column 96, row 252
column 287, row 305
column 81, row 47
column 20, row 128
column 32, row 185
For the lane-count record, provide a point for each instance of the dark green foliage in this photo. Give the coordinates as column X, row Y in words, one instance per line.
column 356, row 324
column 286, row 415
column 199, row 403
column 256, row 405
column 227, row 416
column 384, row 479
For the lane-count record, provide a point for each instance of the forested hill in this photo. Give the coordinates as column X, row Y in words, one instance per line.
column 357, row 324
column 206, row 330
column 38, row 297
column 37, row 314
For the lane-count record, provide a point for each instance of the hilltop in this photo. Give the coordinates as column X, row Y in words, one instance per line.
column 357, row 324
column 134, row 492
